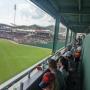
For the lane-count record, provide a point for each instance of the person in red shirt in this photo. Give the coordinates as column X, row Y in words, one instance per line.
column 47, row 81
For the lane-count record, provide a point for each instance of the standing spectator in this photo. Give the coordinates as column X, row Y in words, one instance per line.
column 59, row 82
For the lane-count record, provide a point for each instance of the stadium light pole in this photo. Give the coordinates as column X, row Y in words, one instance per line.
column 15, row 14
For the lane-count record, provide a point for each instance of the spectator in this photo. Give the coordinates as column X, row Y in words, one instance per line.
column 59, row 82
column 73, row 49
column 62, row 68
column 47, row 81
column 79, row 40
column 77, row 58
column 79, row 48
column 67, row 54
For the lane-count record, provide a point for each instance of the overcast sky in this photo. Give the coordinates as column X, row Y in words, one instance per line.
column 26, row 13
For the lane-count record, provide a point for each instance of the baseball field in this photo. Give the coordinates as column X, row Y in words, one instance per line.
column 15, row 58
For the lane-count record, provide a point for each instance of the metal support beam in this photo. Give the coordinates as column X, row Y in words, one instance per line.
column 55, row 35
column 71, row 37
column 46, row 6
column 21, row 85
column 74, row 36
column 79, row 24
column 79, row 7
column 76, row 13
column 67, row 37
column 74, row 10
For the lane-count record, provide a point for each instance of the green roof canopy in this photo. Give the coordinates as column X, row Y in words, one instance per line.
column 75, row 14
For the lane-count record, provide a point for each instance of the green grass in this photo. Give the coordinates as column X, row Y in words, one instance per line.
column 14, row 58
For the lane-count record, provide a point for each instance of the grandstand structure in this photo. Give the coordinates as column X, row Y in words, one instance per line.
column 27, row 36
column 75, row 15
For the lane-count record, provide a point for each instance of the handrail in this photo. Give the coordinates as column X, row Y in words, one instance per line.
column 20, row 76
column 59, row 50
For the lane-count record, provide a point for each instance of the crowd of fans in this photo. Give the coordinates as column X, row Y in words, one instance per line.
column 59, row 70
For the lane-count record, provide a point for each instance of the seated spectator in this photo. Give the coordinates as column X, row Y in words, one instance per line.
column 69, row 47
column 77, row 54
column 65, row 63
column 47, row 81
column 59, row 79
column 67, row 54
column 77, row 58
column 73, row 49
column 78, row 48
column 62, row 68
column 68, row 58
column 79, row 40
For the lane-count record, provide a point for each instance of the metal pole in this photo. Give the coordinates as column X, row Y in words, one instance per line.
column 29, row 75
column 71, row 37
column 75, row 35
column 21, row 85
column 67, row 37
column 14, row 14
column 55, row 35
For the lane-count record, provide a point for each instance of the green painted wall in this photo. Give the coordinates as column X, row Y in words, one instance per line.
column 49, row 45
column 86, row 63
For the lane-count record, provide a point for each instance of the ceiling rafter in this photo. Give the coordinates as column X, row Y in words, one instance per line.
column 71, row 12
column 61, row 18
column 75, row 10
